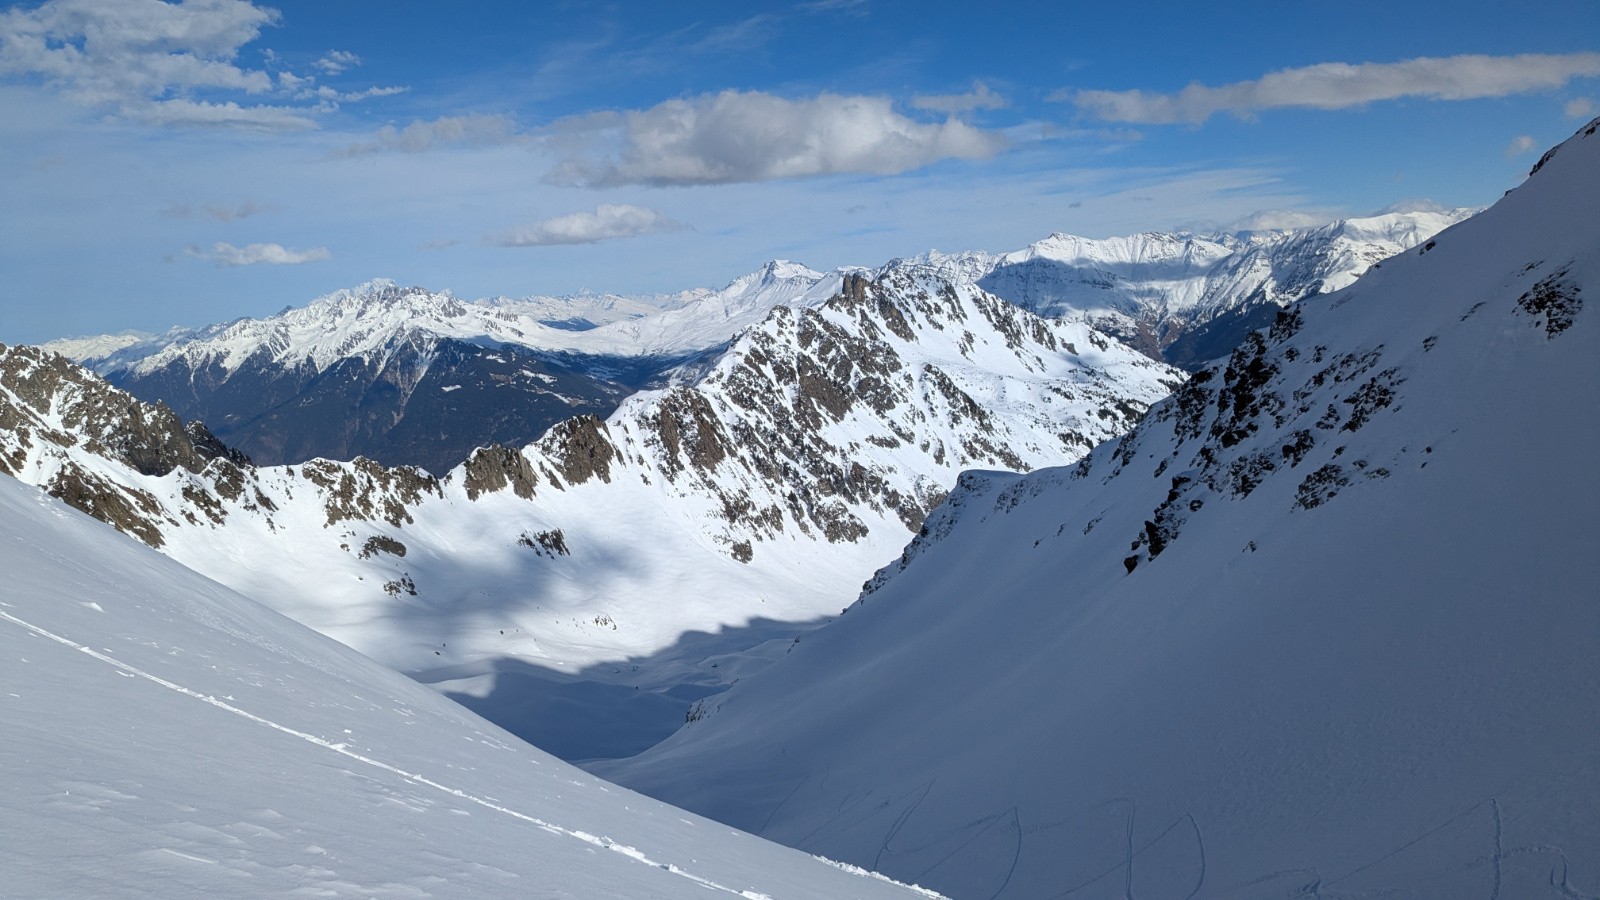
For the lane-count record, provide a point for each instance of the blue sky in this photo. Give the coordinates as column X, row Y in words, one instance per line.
column 193, row 163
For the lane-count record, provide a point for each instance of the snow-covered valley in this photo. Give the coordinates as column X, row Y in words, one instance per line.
column 1286, row 635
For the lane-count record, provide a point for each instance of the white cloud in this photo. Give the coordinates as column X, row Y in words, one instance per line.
column 227, row 255
column 739, row 136
column 159, row 63
column 1520, row 145
column 609, row 221
column 1581, row 108
column 1281, row 219
column 418, row 137
column 336, row 61
column 1413, row 204
column 848, row 7
column 980, row 97
column 1342, row 85
column 182, row 111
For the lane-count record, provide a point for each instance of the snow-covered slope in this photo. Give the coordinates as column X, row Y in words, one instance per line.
column 166, row 737
column 619, row 561
column 1324, row 624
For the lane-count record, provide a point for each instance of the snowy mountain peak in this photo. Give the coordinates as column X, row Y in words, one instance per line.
column 783, row 270
column 383, row 294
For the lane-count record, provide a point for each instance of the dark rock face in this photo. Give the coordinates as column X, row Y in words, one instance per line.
column 382, row 543
column 497, row 467
column 365, row 490
column 1553, row 303
column 550, row 543
column 429, row 403
column 129, row 510
column 581, row 449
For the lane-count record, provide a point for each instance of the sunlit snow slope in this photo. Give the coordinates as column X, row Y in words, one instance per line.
column 166, row 737
column 1325, row 624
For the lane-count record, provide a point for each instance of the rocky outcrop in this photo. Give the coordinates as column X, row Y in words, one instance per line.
column 367, row 491
column 496, row 468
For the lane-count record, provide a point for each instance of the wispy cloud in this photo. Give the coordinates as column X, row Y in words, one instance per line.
column 980, row 97
column 848, row 7
column 165, row 64
column 1520, row 145
column 181, row 111
column 609, row 221
column 1342, row 85
column 227, row 255
column 418, row 137
column 337, row 61
column 1581, row 108
column 328, row 98
column 1281, row 219
column 215, row 212
column 740, row 136
column 746, row 33
column 1412, row 205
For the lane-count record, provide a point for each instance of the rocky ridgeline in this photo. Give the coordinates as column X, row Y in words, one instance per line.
column 54, row 414
column 811, row 415
column 865, row 407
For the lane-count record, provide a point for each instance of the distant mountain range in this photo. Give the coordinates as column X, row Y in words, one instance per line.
column 406, row 376
column 1188, row 298
column 1322, row 624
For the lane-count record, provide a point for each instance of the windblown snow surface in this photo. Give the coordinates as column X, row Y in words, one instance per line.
column 166, row 737
column 1326, row 624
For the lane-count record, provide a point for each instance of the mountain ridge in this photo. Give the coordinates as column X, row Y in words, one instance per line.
column 1290, row 635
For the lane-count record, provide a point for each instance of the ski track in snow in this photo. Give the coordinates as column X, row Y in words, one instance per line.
column 596, row 840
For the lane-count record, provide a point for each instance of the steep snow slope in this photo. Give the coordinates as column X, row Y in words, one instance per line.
column 1324, row 624
column 166, row 737
column 613, row 563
